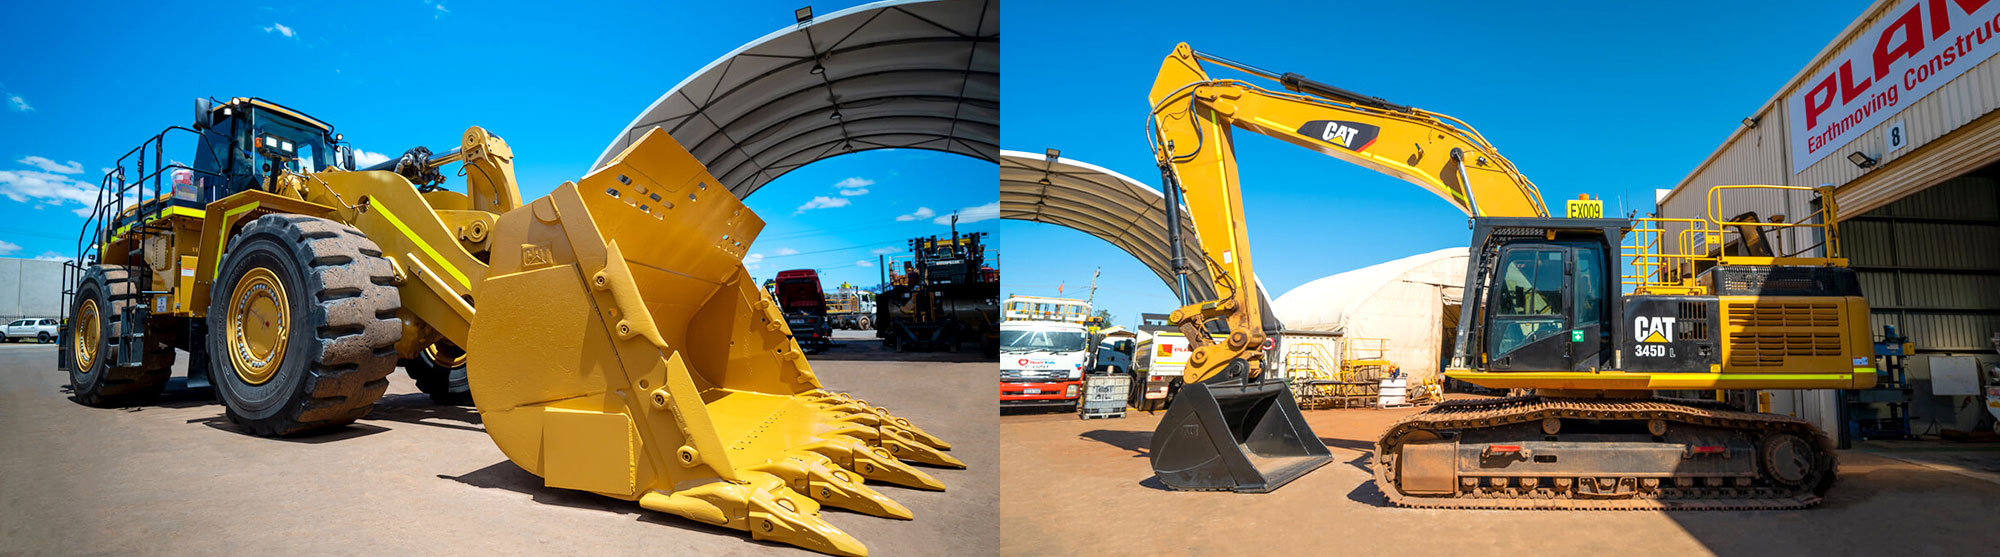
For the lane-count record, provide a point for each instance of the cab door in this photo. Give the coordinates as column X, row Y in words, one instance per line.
column 1546, row 307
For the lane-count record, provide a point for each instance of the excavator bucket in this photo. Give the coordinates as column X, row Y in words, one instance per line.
column 1248, row 438
column 621, row 348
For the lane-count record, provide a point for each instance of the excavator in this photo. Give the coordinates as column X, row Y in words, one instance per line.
column 1542, row 315
column 609, row 334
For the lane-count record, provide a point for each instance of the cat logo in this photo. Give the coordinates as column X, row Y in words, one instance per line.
column 1353, row 136
column 1652, row 329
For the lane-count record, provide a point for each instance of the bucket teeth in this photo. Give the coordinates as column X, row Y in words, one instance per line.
column 875, row 463
column 855, row 411
column 763, row 505
column 818, row 477
column 901, row 445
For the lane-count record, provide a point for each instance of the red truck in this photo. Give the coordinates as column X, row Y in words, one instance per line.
column 799, row 294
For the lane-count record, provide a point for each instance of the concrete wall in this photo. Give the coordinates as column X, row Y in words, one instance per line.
column 30, row 288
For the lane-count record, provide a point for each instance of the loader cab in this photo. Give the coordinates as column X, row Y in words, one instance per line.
column 1545, row 294
column 242, row 137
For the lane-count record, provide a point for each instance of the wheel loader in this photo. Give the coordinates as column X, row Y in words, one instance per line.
column 1708, row 305
column 608, row 333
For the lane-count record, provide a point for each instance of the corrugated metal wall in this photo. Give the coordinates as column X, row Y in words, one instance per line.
column 1930, row 263
column 30, row 288
column 1759, row 155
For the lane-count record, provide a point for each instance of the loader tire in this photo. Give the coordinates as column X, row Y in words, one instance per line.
column 302, row 324
column 440, row 372
column 97, row 321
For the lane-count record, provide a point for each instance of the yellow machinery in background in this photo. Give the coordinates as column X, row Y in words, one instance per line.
column 1710, row 306
column 612, row 339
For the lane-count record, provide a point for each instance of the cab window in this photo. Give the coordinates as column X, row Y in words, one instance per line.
column 1529, row 304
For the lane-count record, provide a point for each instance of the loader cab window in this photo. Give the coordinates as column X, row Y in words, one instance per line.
column 307, row 143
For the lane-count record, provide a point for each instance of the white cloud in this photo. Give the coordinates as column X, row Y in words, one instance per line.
column 365, row 159
column 864, row 263
column 854, row 187
column 781, row 252
column 47, row 188
column 885, row 250
column 822, row 202
column 751, row 261
column 53, row 256
column 281, row 29
column 52, row 166
column 440, row 12
column 8, row 248
column 922, row 213
column 971, row 215
column 18, row 104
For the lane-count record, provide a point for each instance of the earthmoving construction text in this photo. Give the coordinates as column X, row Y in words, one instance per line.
column 1916, row 47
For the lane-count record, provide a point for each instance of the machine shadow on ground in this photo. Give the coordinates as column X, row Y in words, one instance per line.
column 505, row 475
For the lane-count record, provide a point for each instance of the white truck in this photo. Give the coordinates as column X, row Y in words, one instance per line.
column 1044, row 348
column 41, row 330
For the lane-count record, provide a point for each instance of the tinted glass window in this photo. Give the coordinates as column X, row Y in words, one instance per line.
column 1589, row 290
column 1531, row 283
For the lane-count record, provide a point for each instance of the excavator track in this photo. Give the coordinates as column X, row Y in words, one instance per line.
column 1453, row 418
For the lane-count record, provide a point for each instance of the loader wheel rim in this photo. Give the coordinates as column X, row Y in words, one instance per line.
column 259, row 325
column 86, row 335
column 445, row 358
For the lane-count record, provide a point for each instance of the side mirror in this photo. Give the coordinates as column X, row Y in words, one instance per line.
column 347, row 157
column 204, row 114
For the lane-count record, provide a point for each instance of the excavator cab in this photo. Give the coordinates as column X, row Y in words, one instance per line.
column 1548, row 298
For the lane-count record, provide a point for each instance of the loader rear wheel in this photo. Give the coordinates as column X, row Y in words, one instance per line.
column 97, row 319
column 303, row 324
column 439, row 371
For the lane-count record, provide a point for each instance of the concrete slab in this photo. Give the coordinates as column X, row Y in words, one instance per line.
column 1078, row 487
column 176, row 478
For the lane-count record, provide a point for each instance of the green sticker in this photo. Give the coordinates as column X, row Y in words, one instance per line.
column 1576, row 335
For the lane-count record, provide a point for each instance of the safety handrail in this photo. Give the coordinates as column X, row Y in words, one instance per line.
column 1704, row 240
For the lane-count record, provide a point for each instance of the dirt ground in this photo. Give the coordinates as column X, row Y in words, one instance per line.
column 174, row 477
column 1076, row 487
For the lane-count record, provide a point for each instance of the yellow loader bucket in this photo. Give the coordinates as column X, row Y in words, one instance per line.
column 621, row 348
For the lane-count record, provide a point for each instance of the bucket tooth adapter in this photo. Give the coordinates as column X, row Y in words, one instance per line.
column 622, row 348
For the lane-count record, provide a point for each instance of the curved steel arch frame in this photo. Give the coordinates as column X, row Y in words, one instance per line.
column 897, row 74
column 1102, row 203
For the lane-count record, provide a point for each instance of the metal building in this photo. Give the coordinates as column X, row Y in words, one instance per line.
column 1898, row 114
column 30, row 288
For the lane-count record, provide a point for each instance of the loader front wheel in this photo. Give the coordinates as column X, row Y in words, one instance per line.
column 97, row 315
column 302, row 323
column 439, row 371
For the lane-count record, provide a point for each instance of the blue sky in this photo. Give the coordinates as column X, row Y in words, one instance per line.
column 82, row 83
column 1612, row 99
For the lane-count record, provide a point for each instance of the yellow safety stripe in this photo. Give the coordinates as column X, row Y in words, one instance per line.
column 225, row 243
column 435, row 256
column 170, row 211
column 1560, row 375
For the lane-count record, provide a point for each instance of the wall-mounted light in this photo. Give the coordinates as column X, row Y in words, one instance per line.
column 1054, row 154
column 1861, row 160
column 804, row 14
column 1751, row 122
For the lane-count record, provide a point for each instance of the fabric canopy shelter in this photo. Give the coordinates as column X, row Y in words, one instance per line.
column 898, row 74
column 1101, row 203
column 1412, row 303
